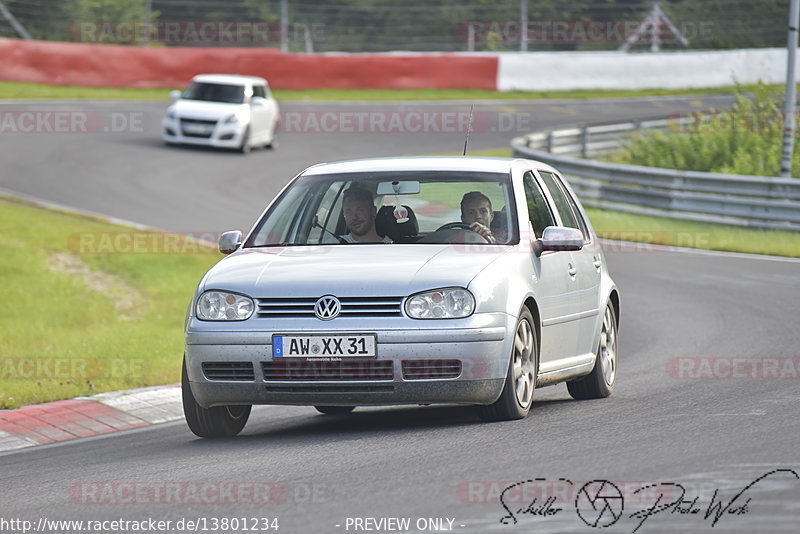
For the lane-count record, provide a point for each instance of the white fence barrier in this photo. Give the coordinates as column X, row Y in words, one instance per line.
column 564, row 71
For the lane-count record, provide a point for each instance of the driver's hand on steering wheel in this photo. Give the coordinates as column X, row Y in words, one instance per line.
column 484, row 231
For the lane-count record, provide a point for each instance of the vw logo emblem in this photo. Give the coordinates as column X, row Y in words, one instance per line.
column 327, row 307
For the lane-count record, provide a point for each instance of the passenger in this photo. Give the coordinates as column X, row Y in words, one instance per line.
column 359, row 213
column 476, row 211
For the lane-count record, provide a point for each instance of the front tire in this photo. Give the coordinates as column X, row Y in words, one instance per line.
column 217, row 422
column 246, row 146
column 517, row 396
column 600, row 382
column 334, row 410
column 273, row 144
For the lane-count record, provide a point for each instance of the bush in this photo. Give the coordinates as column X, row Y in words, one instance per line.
column 745, row 139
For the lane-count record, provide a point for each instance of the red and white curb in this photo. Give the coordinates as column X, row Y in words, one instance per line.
column 88, row 416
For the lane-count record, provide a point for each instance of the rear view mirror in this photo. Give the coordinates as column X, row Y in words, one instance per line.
column 230, row 241
column 559, row 238
column 398, row 187
column 175, row 95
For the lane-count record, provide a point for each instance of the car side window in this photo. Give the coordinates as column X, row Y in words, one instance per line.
column 538, row 210
column 570, row 214
column 260, row 90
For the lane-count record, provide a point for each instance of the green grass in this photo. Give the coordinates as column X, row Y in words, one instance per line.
column 494, row 153
column 663, row 231
column 14, row 90
column 60, row 337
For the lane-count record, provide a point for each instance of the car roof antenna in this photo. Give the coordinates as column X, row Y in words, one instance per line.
column 469, row 128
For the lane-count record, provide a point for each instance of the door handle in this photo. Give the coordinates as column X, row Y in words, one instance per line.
column 597, row 263
column 572, row 270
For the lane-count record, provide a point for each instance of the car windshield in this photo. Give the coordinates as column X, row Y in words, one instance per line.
column 215, row 92
column 423, row 208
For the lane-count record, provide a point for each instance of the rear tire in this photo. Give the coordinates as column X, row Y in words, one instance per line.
column 217, row 422
column 334, row 410
column 600, row 382
column 517, row 396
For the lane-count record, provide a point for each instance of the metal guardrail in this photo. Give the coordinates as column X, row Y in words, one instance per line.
column 754, row 201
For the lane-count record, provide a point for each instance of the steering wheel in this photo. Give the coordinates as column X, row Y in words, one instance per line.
column 454, row 226
column 461, row 226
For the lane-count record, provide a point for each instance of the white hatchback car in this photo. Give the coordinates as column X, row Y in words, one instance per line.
column 223, row 111
column 404, row 281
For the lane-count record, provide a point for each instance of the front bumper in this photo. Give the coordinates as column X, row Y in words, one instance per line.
column 480, row 345
column 220, row 136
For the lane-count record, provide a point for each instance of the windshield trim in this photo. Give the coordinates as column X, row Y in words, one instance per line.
column 194, row 84
column 456, row 176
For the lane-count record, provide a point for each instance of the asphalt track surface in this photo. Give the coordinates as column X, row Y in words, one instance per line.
column 700, row 429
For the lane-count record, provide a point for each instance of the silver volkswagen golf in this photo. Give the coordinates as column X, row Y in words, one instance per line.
column 404, row 281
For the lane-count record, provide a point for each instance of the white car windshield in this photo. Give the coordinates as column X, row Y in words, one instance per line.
column 215, row 92
column 402, row 208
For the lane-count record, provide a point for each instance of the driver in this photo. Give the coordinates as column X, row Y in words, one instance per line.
column 359, row 213
column 476, row 211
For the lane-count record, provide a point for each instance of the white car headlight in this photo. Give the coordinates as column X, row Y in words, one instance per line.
column 171, row 115
column 449, row 303
column 231, row 119
column 223, row 306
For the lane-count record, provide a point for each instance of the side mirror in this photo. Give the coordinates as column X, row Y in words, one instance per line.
column 175, row 95
column 559, row 238
column 230, row 241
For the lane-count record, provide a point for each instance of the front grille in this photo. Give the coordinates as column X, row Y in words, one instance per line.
column 188, row 124
column 427, row 369
column 240, row 371
column 186, row 120
column 324, row 370
column 328, row 388
column 351, row 307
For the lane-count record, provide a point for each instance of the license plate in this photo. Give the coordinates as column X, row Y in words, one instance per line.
column 197, row 128
column 313, row 346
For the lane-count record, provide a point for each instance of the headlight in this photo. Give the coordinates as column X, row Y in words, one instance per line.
column 450, row 303
column 171, row 114
column 232, row 119
column 222, row 306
